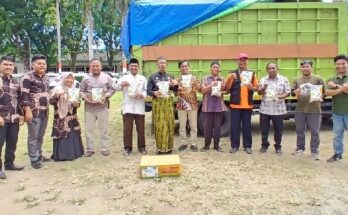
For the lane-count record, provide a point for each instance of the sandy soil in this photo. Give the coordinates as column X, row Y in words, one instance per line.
column 211, row 183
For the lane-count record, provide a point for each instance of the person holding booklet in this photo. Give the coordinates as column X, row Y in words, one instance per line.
column 134, row 88
column 160, row 87
column 66, row 130
column 213, row 106
column 274, row 88
column 187, row 105
column 241, row 83
column 307, row 113
column 96, row 88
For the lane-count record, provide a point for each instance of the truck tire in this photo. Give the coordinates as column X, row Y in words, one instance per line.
column 225, row 127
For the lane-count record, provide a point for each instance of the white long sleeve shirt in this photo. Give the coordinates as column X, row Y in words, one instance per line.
column 129, row 103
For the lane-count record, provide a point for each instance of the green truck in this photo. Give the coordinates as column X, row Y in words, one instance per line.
column 284, row 33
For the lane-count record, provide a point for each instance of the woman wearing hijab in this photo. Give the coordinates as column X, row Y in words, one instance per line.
column 66, row 131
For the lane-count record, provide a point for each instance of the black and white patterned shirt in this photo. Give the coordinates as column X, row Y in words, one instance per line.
column 10, row 109
column 35, row 93
column 275, row 107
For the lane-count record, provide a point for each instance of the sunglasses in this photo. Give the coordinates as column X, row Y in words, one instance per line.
column 306, row 62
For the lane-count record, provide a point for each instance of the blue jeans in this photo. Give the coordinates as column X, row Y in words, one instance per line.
column 340, row 123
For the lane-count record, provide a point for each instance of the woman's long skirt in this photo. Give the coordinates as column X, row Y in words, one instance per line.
column 69, row 148
column 163, row 120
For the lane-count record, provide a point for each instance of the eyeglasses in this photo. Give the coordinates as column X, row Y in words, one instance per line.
column 306, row 62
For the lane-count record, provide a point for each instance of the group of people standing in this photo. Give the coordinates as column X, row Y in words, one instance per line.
column 27, row 101
column 308, row 113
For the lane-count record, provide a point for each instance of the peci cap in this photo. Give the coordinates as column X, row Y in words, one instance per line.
column 242, row 55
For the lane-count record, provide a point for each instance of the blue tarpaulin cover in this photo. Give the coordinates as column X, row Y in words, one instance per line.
column 150, row 21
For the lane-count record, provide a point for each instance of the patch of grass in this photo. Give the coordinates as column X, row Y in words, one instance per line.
column 31, row 201
column 52, row 198
column 20, row 188
column 50, row 211
column 77, row 201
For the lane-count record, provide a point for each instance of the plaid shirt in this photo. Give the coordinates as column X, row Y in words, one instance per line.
column 35, row 93
column 213, row 103
column 275, row 107
column 10, row 100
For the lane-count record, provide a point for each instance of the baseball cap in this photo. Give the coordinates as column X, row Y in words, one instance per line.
column 242, row 55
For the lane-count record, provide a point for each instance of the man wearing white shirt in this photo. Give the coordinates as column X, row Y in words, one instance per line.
column 133, row 106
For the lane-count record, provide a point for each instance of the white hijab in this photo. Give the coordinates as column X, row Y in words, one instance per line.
column 64, row 106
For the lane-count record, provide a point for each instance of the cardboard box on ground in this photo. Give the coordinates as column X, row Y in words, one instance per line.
column 160, row 166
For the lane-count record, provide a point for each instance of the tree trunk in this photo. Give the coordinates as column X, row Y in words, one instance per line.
column 73, row 56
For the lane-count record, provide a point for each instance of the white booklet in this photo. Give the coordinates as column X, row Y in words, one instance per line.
column 316, row 93
column 271, row 92
column 216, row 90
column 135, row 87
column 186, row 81
column 306, row 89
column 73, row 94
column 97, row 94
column 163, row 87
column 246, row 77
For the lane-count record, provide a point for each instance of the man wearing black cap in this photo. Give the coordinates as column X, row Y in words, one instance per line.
column 134, row 88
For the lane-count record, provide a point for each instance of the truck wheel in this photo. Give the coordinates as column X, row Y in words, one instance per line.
column 225, row 127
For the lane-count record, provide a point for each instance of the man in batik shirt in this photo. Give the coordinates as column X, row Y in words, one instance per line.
column 35, row 93
column 187, row 105
column 9, row 114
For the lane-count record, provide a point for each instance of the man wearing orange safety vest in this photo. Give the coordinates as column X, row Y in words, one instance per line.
column 241, row 83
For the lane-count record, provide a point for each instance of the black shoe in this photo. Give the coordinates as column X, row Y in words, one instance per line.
column 233, row 150
column 248, row 150
column 182, row 148
column 194, row 148
column 143, row 151
column 2, row 175
column 127, row 152
column 218, row 149
column 263, row 150
column 334, row 158
column 279, row 152
column 204, row 149
column 14, row 167
column 36, row 165
column 169, row 152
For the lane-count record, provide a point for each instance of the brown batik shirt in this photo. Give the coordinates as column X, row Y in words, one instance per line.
column 35, row 93
column 187, row 96
column 64, row 126
column 10, row 100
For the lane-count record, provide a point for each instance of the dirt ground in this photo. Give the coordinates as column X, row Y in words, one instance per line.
column 211, row 183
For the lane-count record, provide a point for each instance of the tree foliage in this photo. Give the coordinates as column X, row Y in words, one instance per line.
column 72, row 28
column 29, row 27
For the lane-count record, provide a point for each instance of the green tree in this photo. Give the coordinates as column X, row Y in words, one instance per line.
column 72, row 28
column 108, row 15
column 27, row 28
